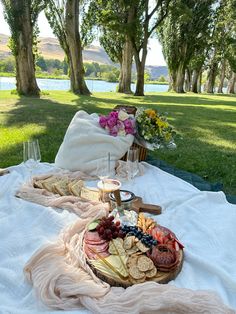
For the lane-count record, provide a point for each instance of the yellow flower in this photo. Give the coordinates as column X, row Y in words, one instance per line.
column 161, row 124
column 168, row 137
column 151, row 113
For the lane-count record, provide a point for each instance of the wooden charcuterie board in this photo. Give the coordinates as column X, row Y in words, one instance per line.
column 161, row 277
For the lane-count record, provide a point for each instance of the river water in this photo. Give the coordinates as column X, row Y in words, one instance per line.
column 9, row 83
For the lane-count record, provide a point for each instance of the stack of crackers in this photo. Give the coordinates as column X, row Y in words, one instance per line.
column 66, row 186
column 139, row 267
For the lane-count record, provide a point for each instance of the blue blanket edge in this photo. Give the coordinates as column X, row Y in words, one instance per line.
column 191, row 178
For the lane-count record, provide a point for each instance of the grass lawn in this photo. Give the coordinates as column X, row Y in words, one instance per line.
column 207, row 125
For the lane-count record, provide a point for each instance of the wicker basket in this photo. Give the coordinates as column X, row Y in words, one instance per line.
column 142, row 152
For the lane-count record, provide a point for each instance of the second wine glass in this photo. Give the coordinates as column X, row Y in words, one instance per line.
column 31, row 154
column 132, row 162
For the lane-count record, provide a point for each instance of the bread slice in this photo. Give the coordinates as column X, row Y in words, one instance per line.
column 75, row 187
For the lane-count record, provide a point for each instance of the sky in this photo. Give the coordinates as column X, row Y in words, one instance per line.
column 154, row 57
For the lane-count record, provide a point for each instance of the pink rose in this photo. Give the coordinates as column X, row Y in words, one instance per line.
column 114, row 131
column 129, row 131
column 128, row 123
column 113, row 114
column 103, row 121
column 120, row 125
column 111, row 122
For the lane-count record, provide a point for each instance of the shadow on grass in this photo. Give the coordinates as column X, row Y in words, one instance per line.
column 203, row 150
column 187, row 99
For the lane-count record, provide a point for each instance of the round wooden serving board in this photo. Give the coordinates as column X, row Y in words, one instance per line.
column 161, row 277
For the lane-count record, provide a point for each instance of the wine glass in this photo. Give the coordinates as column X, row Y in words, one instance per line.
column 31, row 154
column 103, row 171
column 132, row 162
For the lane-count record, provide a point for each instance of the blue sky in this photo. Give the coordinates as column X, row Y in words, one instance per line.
column 154, row 57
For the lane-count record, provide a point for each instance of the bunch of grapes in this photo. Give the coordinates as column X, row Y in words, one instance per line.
column 145, row 238
column 108, row 229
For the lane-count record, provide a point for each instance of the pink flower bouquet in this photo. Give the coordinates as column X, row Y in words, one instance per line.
column 118, row 123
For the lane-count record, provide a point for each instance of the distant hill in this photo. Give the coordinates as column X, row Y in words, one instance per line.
column 50, row 49
column 157, row 71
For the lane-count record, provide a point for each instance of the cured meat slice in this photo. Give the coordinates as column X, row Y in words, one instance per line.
column 98, row 248
column 91, row 252
column 95, row 242
column 92, row 236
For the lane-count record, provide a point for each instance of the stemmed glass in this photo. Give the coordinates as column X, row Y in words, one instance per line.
column 132, row 162
column 31, row 154
column 103, row 171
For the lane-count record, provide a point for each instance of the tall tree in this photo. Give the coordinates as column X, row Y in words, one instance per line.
column 21, row 16
column 113, row 19
column 182, row 33
column 63, row 17
column 223, row 43
column 147, row 18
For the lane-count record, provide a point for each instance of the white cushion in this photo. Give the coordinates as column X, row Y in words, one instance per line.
column 86, row 142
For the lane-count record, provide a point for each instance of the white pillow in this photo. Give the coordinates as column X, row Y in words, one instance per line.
column 86, row 142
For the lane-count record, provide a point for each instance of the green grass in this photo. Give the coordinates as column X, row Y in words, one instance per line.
column 207, row 125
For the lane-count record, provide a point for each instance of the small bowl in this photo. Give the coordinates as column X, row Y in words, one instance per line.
column 126, row 199
column 109, row 185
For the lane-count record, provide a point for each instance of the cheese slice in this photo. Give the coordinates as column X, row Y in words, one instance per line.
column 115, row 261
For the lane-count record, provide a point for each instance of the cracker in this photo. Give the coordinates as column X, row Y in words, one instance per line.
column 49, row 182
column 144, row 263
column 128, row 242
column 38, row 184
column 116, row 247
column 61, row 187
column 136, row 273
column 75, row 187
column 137, row 281
column 143, row 248
column 132, row 260
column 90, row 194
column 133, row 250
column 151, row 273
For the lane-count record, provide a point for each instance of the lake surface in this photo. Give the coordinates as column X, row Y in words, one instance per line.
column 9, row 83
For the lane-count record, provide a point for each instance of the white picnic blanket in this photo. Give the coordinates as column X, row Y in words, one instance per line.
column 203, row 221
column 86, row 142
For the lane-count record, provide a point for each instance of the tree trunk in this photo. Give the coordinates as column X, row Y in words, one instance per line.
column 211, row 77
column 74, row 53
column 222, row 77
column 25, row 68
column 178, row 84
column 140, row 67
column 194, row 81
column 127, row 57
column 126, row 68
column 231, row 85
column 172, row 79
column 187, row 80
column 199, row 83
